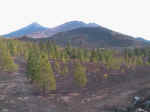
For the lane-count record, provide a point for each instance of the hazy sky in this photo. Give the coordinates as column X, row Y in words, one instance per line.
column 131, row 17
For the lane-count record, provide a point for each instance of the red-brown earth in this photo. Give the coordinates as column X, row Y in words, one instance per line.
column 100, row 94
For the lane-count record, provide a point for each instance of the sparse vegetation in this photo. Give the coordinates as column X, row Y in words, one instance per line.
column 6, row 60
column 51, row 68
column 45, row 78
column 80, row 74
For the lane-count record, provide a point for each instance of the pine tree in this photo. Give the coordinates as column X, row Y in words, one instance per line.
column 68, row 48
column 6, row 61
column 33, row 62
column 94, row 56
column 80, row 75
column 45, row 79
column 140, row 60
column 63, row 57
column 137, row 52
column 13, row 49
column 81, row 55
column 87, row 55
column 26, row 54
column 65, row 70
column 57, row 67
column 148, row 61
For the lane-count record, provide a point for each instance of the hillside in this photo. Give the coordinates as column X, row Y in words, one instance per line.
column 35, row 30
column 78, row 33
column 34, row 27
column 49, row 78
column 68, row 26
column 142, row 39
column 96, row 37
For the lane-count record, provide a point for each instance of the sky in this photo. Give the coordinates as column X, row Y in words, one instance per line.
column 131, row 17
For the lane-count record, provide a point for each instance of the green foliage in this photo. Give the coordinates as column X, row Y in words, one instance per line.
column 65, row 70
column 39, row 70
column 38, row 55
column 33, row 66
column 57, row 67
column 46, row 78
column 80, row 75
column 6, row 60
column 106, row 76
column 115, row 63
column 94, row 56
column 140, row 60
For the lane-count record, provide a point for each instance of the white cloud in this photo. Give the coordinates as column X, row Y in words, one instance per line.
column 126, row 16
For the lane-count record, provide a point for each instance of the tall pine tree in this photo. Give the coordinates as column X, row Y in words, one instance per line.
column 80, row 75
column 46, row 79
column 6, row 60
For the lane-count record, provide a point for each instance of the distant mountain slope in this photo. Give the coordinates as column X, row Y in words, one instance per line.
column 95, row 37
column 61, row 28
column 35, row 30
column 79, row 33
column 142, row 39
column 34, row 27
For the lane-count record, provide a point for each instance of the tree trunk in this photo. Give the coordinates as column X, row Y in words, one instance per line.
column 44, row 90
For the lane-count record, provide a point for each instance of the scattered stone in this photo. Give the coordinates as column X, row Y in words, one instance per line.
column 20, row 98
column 26, row 98
column 74, row 94
column 52, row 96
column 17, row 73
column 98, row 97
column 6, row 101
column 85, row 100
column 57, row 75
column 82, row 101
column 53, row 106
column 2, row 97
column 58, row 99
column 93, row 95
column 12, row 101
column 140, row 110
column 65, row 99
column 136, row 100
column 39, row 96
column 4, row 110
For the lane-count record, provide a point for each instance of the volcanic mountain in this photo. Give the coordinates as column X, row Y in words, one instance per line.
column 35, row 30
column 62, row 28
column 78, row 34
column 34, row 27
column 92, row 37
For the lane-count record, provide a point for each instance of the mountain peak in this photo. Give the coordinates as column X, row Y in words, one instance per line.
column 93, row 25
column 72, row 24
column 36, row 30
column 81, row 23
column 31, row 28
column 75, row 22
column 35, row 24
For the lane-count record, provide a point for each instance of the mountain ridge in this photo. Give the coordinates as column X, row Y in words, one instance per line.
column 64, row 27
column 95, row 37
column 78, row 32
column 34, row 27
column 36, row 30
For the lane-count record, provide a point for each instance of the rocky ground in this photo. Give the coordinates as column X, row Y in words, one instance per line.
column 18, row 95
